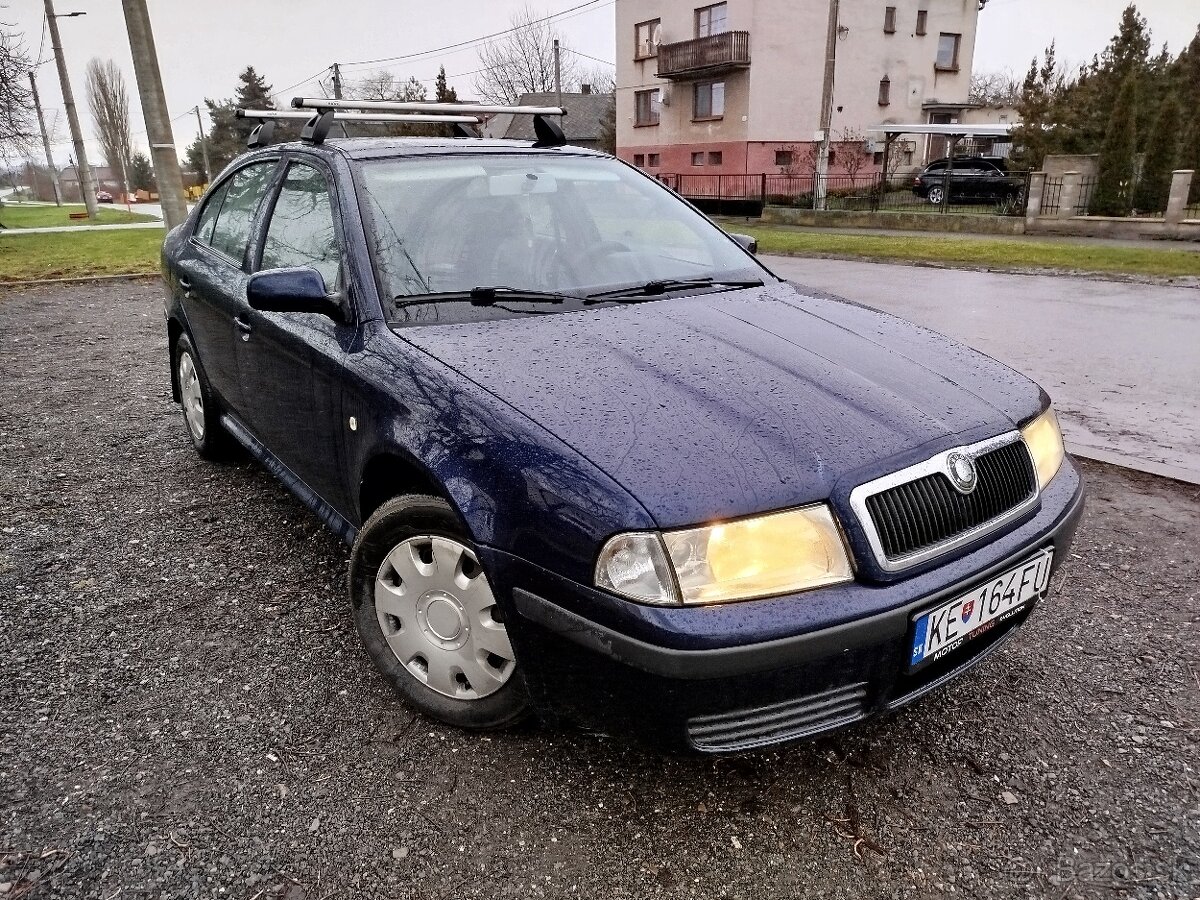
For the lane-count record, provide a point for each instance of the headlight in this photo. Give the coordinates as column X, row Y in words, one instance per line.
column 1045, row 443
column 779, row 553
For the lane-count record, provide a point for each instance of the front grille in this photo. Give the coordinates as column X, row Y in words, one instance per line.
column 929, row 511
column 746, row 729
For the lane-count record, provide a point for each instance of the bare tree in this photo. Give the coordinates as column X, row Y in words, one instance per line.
column 383, row 85
column 853, row 154
column 601, row 79
column 995, row 89
column 16, row 104
column 522, row 61
column 109, row 100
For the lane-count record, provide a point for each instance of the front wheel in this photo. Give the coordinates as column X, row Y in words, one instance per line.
column 428, row 617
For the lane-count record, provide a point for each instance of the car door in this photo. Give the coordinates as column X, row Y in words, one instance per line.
column 211, row 273
column 291, row 364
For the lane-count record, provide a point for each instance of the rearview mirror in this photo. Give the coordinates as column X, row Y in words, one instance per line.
column 296, row 290
column 747, row 243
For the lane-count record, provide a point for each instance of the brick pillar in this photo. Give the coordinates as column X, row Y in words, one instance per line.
column 1033, row 205
column 1181, row 186
column 1070, row 195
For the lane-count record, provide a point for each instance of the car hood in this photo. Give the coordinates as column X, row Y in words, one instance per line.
column 732, row 403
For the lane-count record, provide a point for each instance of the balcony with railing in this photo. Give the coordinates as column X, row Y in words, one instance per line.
column 705, row 56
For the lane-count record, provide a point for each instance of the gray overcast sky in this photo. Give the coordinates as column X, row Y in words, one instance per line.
column 203, row 45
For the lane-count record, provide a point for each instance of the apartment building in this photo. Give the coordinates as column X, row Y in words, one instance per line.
column 735, row 87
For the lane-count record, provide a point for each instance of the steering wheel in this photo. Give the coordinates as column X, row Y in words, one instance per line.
column 589, row 256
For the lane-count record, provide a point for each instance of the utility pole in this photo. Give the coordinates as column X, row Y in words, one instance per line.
column 821, row 188
column 208, row 173
column 154, row 108
column 86, row 186
column 557, row 73
column 37, row 105
column 337, row 81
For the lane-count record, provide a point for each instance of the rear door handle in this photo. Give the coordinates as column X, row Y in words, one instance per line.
column 185, row 284
column 243, row 326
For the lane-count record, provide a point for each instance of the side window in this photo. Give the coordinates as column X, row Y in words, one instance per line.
column 231, row 232
column 208, row 215
column 301, row 231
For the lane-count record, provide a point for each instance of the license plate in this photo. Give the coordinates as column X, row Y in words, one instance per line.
column 946, row 628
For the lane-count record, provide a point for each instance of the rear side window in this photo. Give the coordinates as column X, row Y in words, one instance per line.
column 241, row 194
column 208, row 215
column 301, row 231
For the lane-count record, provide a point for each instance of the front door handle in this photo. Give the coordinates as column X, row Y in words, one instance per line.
column 243, row 326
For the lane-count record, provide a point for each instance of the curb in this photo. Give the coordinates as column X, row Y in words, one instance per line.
column 33, row 282
column 1179, row 281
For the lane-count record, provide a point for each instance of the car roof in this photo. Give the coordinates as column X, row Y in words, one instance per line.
column 385, row 147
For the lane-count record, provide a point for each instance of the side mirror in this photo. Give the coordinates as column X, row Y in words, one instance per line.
column 747, row 243
column 297, row 290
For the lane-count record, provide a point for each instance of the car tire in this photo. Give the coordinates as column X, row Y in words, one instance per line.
column 201, row 414
column 934, row 195
column 427, row 617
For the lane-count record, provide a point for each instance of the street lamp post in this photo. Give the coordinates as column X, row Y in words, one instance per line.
column 82, row 169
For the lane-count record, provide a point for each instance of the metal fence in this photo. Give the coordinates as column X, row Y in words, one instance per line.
column 869, row 192
column 1192, row 210
column 1087, row 189
column 1052, row 196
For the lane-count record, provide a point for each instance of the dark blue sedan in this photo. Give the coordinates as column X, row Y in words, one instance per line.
column 595, row 461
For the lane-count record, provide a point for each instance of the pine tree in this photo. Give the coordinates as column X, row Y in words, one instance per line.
column 228, row 135
column 1191, row 155
column 1114, row 186
column 1162, row 156
column 443, row 93
column 141, row 173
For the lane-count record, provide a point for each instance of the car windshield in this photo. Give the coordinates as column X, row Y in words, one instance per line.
column 569, row 226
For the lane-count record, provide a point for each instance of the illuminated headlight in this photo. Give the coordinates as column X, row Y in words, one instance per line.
column 779, row 553
column 1044, row 440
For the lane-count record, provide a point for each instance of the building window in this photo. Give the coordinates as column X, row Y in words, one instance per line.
column 922, row 17
column 783, row 158
column 639, row 159
column 947, row 58
column 654, row 160
column 889, row 20
column 646, row 39
column 885, row 91
column 698, row 158
column 709, row 101
column 878, row 158
column 647, row 105
column 712, row 20
column 715, row 158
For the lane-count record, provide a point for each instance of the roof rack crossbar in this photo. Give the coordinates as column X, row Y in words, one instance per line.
column 402, row 106
column 365, row 118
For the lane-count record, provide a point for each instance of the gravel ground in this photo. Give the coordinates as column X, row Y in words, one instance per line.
column 185, row 710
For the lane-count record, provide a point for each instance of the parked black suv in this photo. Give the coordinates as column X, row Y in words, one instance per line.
column 972, row 178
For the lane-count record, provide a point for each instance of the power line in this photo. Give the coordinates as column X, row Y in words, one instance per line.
column 424, row 54
column 298, row 83
column 592, row 58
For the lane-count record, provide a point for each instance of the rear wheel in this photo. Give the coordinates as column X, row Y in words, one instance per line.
column 935, row 196
column 200, row 413
column 428, row 617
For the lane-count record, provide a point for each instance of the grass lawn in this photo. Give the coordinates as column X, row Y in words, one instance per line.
column 998, row 253
column 12, row 216
column 74, row 254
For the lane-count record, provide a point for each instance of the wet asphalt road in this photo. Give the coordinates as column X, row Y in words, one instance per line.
column 185, row 710
column 1121, row 360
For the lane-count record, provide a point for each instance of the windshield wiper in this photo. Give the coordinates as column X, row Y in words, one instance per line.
column 483, row 296
column 651, row 289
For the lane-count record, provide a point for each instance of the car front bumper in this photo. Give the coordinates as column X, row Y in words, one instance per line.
column 750, row 686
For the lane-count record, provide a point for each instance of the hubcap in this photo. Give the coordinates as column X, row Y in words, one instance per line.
column 439, row 617
column 193, row 399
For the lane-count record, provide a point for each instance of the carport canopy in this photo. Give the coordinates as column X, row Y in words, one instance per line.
column 955, row 132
